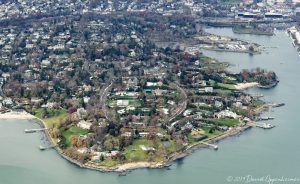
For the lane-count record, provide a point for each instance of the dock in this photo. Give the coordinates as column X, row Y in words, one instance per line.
column 265, row 126
column 278, row 104
column 215, row 147
column 42, row 148
column 265, row 118
column 34, row 130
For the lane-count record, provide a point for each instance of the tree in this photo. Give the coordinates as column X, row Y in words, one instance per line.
column 108, row 144
column 73, row 140
column 79, row 143
column 55, row 133
column 102, row 157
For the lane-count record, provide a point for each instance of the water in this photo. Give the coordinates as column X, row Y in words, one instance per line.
column 256, row 152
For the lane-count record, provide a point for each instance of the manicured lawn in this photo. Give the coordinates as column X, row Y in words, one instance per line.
column 226, row 86
column 134, row 153
column 55, row 116
column 225, row 121
column 223, row 91
column 124, row 97
column 109, row 163
column 191, row 140
column 171, row 147
column 135, row 103
column 73, row 130
column 222, row 85
column 174, row 94
column 257, row 103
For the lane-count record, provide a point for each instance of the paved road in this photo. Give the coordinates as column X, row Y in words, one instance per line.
column 103, row 99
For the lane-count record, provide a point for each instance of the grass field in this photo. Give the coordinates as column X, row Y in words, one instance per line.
column 108, row 163
column 226, row 86
column 225, row 121
column 73, row 130
column 223, row 91
column 55, row 116
column 222, row 85
column 134, row 153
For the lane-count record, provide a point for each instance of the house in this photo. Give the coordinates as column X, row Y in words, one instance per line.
column 227, row 114
column 81, row 112
column 206, row 90
column 82, row 150
column 218, row 104
column 209, row 89
column 84, row 124
column 86, row 99
column 45, row 63
column 144, row 148
column 122, row 103
column 7, row 101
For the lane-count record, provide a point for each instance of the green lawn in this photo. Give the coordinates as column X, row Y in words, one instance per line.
column 55, row 116
column 257, row 103
column 124, row 97
column 172, row 147
column 135, row 103
column 222, row 91
column 73, row 130
column 225, row 121
column 134, row 153
column 226, row 86
column 222, row 85
column 108, row 163
column 174, row 94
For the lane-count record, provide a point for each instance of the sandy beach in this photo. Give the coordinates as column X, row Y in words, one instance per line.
column 138, row 165
column 16, row 115
column 242, row 86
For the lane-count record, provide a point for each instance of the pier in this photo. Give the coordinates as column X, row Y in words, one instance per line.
column 215, row 147
column 265, row 118
column 42, row 148
column 265, row 126
column 34, row 130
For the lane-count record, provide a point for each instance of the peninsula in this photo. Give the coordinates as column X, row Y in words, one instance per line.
column 116, row 90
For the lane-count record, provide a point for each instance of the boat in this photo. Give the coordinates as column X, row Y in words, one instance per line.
column 279, row 105
column 265, row 126
column 42, row 148
column 266, row 118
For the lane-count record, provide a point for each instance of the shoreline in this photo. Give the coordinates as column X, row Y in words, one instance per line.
column 246, row 85
column 234, row 51
column 20, row 115
column 126, row 167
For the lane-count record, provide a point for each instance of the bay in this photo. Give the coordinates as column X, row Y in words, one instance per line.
column 256, row 152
